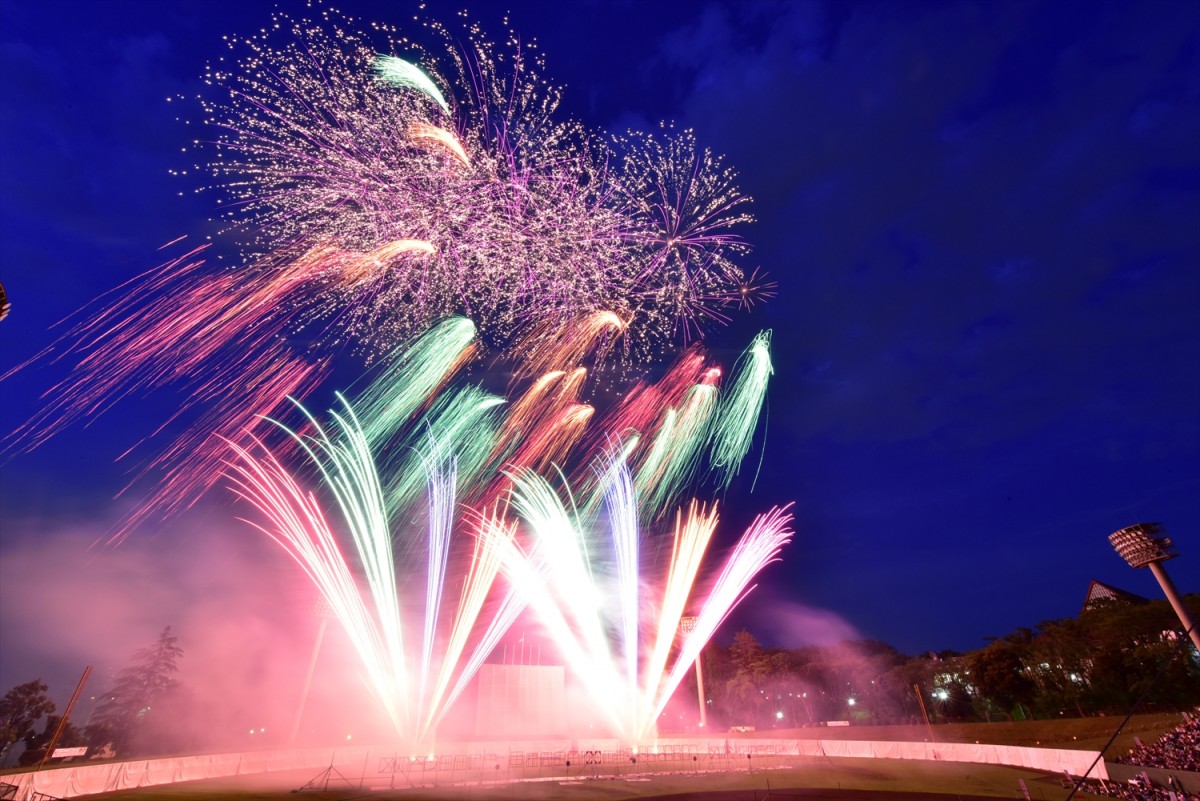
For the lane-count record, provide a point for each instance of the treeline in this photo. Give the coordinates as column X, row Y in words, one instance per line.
column 137, row 715
column 1105, row 661
column 1102, row 662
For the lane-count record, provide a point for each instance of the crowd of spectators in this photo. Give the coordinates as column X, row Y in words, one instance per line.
column 1178, row 749
column 1140, row 790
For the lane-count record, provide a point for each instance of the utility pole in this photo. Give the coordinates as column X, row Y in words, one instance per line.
column 62, row 724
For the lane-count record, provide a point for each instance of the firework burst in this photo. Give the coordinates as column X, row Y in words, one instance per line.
column 527, row 221
column 376, row 184
column 413, row 203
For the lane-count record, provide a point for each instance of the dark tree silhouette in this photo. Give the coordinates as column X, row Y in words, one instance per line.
column 128, row 709
column 36, row 742
column 20, row 709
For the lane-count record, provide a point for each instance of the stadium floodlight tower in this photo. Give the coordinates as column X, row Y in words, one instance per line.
column 687, row 624
column 1142, row 545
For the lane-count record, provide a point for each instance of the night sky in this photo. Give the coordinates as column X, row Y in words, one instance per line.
column 983, row 217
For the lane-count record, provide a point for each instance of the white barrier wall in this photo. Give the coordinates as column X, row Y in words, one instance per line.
column 84, row 779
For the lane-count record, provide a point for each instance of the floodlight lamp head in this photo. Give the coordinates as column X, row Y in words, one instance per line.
column 1140, row 544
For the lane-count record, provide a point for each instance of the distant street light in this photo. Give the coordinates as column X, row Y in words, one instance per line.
column 1142, row 546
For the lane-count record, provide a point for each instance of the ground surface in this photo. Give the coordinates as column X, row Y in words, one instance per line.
column 775, row 778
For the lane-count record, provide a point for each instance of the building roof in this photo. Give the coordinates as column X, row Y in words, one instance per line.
column 1099, row 592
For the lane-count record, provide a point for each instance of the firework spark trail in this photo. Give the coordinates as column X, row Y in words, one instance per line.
column 297, row 523
column 523, row 413
column 561, row 536
column 530, row 571
column 357, row 267
column 556, row 577
column 644, row 403
column 182, row 320
column 738, row 417
column 548, row 399
column 758, row 547
column 442, row 482
column 298, row 136
column 407, row 382
column 686, row 202
column 693, row 533
column 115, row 365
column 335, row 155
column 755, row 288
column 447, row 139
column 550, row 567
column 641, row 413
column 565, row 347
column 399, row 72
column 194, row 462
column 415, row 695
column 675, row 420
column 461, row 423
column 675, row 456
column 483, row 569
column 373, row 204
column 553, row 438
column 349, row 472
column 534, row 232
column 621, row 504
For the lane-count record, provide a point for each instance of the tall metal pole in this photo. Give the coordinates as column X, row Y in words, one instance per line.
column 312, row 666
column 62, row 724
column 1168, row 588
column 924, row 712
column 1142, row 545
column 687, row 624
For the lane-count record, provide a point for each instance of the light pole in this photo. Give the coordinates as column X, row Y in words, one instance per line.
column 1142, row 546
column 323, row 612
column 687, row 624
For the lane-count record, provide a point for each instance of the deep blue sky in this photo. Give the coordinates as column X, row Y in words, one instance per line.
column 984, row 219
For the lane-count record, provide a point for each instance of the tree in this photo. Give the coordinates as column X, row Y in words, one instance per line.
column 759, row 682
column 1130, row 644
column 1001, row 673
column 20, row 709
column 36, row 742
column 128, row 708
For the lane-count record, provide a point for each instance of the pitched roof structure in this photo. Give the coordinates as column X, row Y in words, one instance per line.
column 1099, row 592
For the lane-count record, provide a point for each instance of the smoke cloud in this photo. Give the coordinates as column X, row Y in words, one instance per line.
column 244, row 615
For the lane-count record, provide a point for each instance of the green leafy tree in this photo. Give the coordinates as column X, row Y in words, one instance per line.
column 134, row 707
column 755, row 683
column 1061, row 653
column 1000, row 672
column 745, row 689
column 20, row 709
column 747, row 655
column 1129, row 645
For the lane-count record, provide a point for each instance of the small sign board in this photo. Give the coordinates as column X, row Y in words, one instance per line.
column 59, row 753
